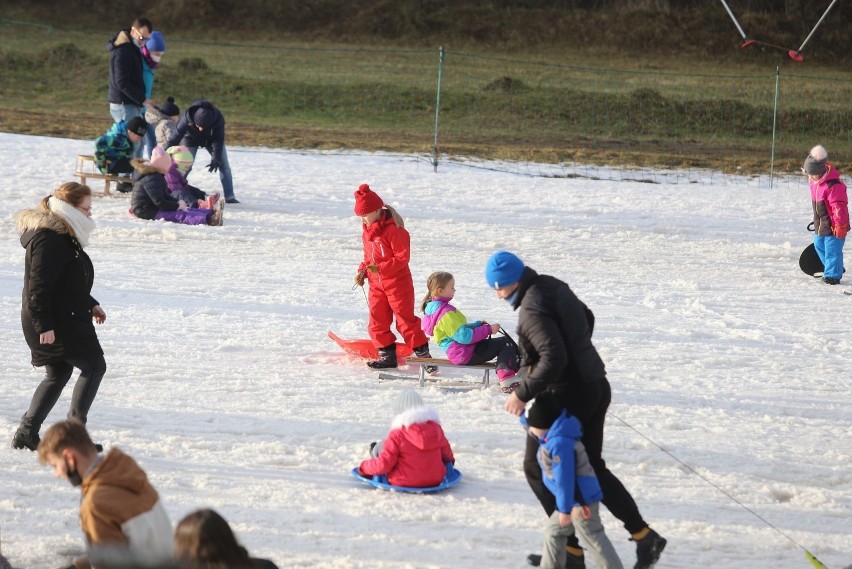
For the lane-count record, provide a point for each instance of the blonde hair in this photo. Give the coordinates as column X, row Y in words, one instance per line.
column 71, row 193
column 436, row 280
column 396, row 217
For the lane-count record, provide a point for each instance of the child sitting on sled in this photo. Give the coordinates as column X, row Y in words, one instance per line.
column 416, row 451
column 568, row 474
column 466, row 343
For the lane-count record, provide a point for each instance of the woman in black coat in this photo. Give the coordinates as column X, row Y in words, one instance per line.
column 57, row 308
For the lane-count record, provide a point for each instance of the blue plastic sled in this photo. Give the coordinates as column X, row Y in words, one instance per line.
column 452, row 478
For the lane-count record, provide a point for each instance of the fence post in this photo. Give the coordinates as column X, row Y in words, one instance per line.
column 441, row 53
column 774, row 123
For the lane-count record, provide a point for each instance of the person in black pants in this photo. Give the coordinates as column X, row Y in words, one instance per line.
column 57, row 309
column 557, row 355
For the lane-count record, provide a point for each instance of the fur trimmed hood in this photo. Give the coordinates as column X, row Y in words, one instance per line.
column 36, row 219
column 143, row 168
column 414, row 416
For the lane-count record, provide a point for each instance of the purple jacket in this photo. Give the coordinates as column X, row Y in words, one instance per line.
column 451, row 331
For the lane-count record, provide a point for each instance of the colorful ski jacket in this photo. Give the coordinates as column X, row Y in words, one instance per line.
column 450, row 329
column 415, row 452
column 830, row 202
column 119, row 507
column 565, row 467
column 112, row 146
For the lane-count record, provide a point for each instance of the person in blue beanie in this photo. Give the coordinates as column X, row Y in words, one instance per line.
column 555, row 336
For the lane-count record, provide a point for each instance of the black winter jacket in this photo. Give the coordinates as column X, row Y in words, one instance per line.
column 555, row 337
column 58, row 278
column 150, row 193
column 212, row 139
column 126, row 85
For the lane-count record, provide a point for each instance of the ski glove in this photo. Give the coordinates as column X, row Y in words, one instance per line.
column 359, row 278
column 840, row 231
column 213, row 166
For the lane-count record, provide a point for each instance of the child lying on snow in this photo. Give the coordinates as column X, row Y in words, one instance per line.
column 416, row 451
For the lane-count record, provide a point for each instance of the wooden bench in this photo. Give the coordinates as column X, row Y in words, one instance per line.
column 486, row 368
column 86, row 168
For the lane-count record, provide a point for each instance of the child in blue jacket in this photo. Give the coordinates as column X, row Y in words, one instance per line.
column 567, row 473
column 466, row 343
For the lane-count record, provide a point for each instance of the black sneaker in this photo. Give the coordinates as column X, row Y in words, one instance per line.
column 571, row 561
column 830, row 281
column 22, row 439
column 648, row 550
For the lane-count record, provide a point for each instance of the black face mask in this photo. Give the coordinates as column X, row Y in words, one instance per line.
column 73, row 476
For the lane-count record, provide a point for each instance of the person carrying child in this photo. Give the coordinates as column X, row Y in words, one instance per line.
column 416, row 451
column 568, row 474
column 466, row 343
column 387, row 250
column 151, row 198
column 831, row 212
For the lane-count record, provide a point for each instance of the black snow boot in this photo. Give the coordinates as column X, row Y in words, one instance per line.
column 387, row 358
column 423, row 352
column 25, row 439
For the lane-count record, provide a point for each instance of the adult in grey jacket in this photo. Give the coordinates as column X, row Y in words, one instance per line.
column 557, row 355
column 57, row 308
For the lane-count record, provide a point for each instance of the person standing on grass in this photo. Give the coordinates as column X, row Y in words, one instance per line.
column 126, row 94
column 555, row 338
column 57, row 308
column 831, row 212
column 203, row 125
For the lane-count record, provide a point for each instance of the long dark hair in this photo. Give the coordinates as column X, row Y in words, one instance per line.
column 204, row 540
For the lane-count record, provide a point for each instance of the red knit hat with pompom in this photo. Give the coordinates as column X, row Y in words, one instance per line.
column 366, row 200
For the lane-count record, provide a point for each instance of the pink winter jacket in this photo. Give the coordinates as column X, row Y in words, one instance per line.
column 829, row 201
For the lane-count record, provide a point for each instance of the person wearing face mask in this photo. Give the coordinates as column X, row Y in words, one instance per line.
column 121, row 513
column 555, row 338
column 127, row 94
column 152, row 53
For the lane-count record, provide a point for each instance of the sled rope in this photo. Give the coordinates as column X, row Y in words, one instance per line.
column 810, row 556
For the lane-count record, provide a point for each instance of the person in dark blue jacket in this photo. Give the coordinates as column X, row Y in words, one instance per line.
column 203, row 125
column 126, row 94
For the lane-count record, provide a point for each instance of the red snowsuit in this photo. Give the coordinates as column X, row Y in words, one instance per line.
column 415, row 451
column 391, row 289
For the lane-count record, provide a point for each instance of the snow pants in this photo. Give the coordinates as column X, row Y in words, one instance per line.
column 186, row 217
column 589, row 403
column 589, row 529
column 830, row 251
column 503, row 349
column 389, row 299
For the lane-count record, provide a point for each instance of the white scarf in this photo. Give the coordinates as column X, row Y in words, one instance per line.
column 80, row 223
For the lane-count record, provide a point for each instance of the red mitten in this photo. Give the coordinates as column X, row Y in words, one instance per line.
column 840, row 231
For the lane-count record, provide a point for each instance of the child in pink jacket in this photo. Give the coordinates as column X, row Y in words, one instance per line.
column 831, row 212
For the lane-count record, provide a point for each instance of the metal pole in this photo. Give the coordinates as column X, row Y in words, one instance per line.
column 441, row 54
column 774, row 123
column 736, row 23
column 817, row 25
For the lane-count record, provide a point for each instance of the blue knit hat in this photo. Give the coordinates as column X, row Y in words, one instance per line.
column 156, row 43
column 503, row 269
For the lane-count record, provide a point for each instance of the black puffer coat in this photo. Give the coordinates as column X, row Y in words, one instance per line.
column 126, row 85
column 212, row 139
column 58, row 278
column 555, row 337
column 150, row 193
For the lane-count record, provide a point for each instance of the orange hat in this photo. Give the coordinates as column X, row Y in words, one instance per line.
column 366, row 200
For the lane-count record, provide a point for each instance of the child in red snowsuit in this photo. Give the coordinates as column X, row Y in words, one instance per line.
column 387, row 250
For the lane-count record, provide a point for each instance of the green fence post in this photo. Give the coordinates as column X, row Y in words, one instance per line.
column 774, row 123
column 441, row 53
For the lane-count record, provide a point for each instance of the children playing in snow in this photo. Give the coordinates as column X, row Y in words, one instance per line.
column 831, row 212
column 567, row 473
column 175, row 176
column 466, row 343
column 151, row 198
column 114, row 150
column 416, row 451
column 387, row 250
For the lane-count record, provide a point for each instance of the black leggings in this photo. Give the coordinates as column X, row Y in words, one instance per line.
column 56, row 376
column 503, row 349
column 589, row 403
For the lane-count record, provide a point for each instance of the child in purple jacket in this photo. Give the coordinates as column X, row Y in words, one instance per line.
column 466, row 343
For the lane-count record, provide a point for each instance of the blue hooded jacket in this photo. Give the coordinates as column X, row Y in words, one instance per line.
column 565, row 467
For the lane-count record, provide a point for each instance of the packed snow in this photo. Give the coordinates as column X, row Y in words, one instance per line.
column 730, row 422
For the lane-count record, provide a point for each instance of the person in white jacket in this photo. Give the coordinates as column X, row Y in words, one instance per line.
column 121, row 513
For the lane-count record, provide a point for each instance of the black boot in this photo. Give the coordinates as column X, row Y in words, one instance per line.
column 423, row 352
column 387, row 358
column 25, row 439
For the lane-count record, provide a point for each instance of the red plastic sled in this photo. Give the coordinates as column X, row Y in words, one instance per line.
column 366, row 349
